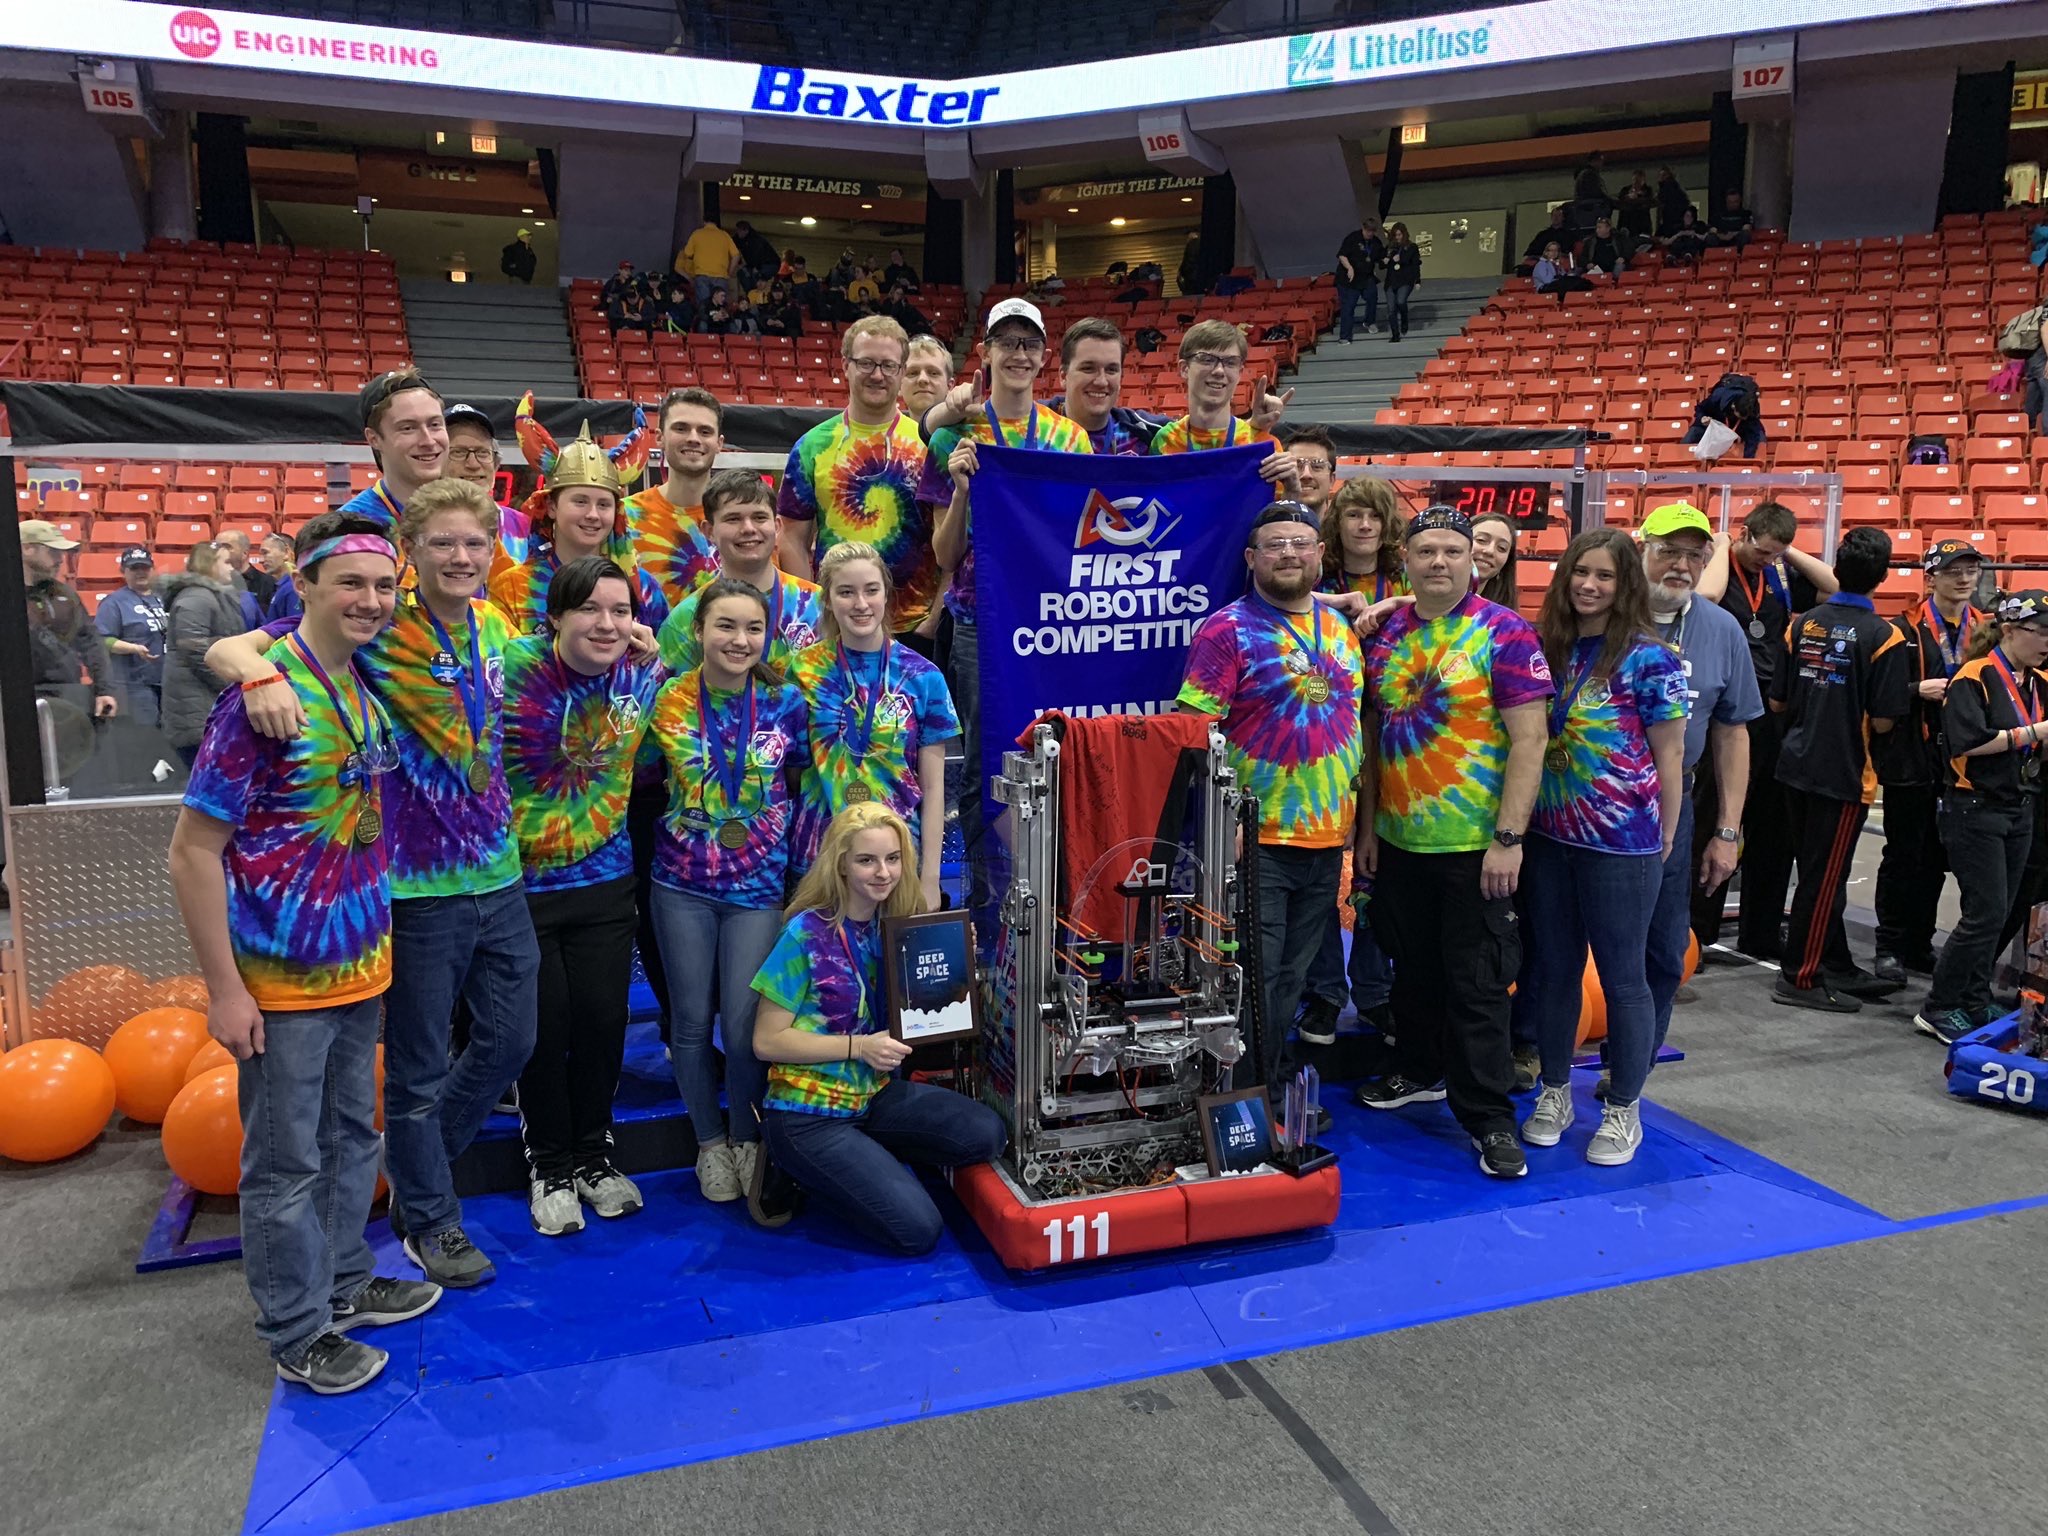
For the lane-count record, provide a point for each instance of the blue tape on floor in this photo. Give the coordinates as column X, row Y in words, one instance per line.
column 687, row 1333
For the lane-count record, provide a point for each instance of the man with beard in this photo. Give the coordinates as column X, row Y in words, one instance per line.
column 1283, row 673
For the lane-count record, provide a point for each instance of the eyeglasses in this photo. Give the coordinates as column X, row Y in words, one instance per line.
column 1300, row 545
column 1314, row 466
column 1023, row 344
column 1209, row 362
column 471, row 455
column 447, row 544
column 1686, row 553
column 870, row 366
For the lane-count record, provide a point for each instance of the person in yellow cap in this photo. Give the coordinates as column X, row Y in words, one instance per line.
column 61, row 635
column 518, row 261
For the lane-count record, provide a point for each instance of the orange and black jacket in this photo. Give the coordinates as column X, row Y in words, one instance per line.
column 1977, row 708
column 1912, row 753
column 1843, row 667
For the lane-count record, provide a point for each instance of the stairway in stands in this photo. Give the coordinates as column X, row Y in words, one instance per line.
column 484, row 339
column 1349, row 383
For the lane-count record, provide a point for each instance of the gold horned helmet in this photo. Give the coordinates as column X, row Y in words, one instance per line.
column 584, row 462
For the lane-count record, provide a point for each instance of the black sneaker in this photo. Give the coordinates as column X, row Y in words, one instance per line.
column 1865, row 984
column 450, row 1258
column 333, row 1364
column 1818, row 998
column 1948, row 1025
column 386, row 1300
column 1921, row 962
column 1394, row 1090
column 1318, row 1022
column 1500, row 1155
column 1889, row 969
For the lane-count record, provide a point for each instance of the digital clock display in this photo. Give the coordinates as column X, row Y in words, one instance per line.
column 1527, row 502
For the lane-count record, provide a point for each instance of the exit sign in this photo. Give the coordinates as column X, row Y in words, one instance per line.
column 483, row 144
column 1414, row 133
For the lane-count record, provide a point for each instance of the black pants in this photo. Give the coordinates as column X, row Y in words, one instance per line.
column 586, row 960
column 1766, row 845
column 1297, row 897
column 643, row 813
column 1987, row 847
column 1455, row 953
column 1909, row 874
column 1824, row 833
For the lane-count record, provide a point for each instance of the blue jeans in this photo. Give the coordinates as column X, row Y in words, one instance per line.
column 1371, row 980
column 1347, row 297
column 309, row 1168
column 1397, row 307
column 1297, row 892
column 702, row 287
column 712, row 951
column 481, row 949
column 1670, row 926
column 1573, row 897
column 850, row 1161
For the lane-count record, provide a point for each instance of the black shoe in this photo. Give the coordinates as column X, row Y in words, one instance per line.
column 1921, row 962
column 1318, row 1024
column 1818, row 998
column 1946, row 1025
column 773, row 1197
column 333, row 1364
column 1864, row 984
column 1887, row 968
column 384, row 1301
column 1394, row 1090
column 1500, row 1155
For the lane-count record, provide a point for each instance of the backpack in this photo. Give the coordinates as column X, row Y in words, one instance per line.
column 1928, row 448
column 1148, row 338
column 1280, row 332
column 2021, row 335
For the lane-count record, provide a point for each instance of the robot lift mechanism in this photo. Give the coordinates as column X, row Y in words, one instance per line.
column 1096, row 1052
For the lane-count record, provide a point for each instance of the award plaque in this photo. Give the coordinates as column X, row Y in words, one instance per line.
column 928, row 961
column 1237, row 1130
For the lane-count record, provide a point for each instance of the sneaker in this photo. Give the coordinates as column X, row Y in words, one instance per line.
column 508, row 1102
column 1551, row 1118
column 1818, row 998
column 1528, row 1067
column 1948, row 1025
column 1318, row 1022
column 1372, row 330
column 1394, row 1090
column 718, row 1174
column 773, row 1197
column 386, row 1300
column 1620, row 1133
column 553, row 1206
column 1865, row 984
column 1500, row 1157
column 334, row 1363
column 1889, row 969
column 450, row 1258
column 610, row 1193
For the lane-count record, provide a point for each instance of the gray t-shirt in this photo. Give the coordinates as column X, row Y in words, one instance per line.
column 1720, row 678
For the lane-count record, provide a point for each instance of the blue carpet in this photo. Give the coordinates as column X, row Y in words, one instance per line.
column 686, row 1333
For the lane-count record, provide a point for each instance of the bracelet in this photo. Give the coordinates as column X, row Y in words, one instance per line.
column 263, row 682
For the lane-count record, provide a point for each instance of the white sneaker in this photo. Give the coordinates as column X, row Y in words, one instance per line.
column 1551, row 1118
column 718, row 1174
column 554, row 1207
column 745, row 1154
column 610, row 1193
column 1620, row 1133
column 1372, row 330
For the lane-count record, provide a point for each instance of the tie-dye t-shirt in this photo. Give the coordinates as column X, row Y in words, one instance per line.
column 1055, row 434
column 309, row 907
column 1180, row 436
column 789, row 632
column 859, row 484
column 1605, row 795
column 824, row 975
column 916, row 711
column 520, row 592
column 1438, row 687
column 688, row 854
column 515, row 533
column 669, row 542
column 1256, row 667
column 570, row 739
column 376, row 503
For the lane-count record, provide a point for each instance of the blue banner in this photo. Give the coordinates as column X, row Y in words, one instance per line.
column 1091, row 575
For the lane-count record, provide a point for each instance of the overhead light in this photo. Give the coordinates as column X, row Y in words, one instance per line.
column 807, row 221
column 1116, row 223
column 373, row 199
column 458, row 276
column 526, row 210
column 867, row 205
column 746, row 197
column 1073, row 210
column 540, row 223
column 1187, row 199
column 440, row 137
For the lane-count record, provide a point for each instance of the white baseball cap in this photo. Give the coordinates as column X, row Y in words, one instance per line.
column 1016, row 309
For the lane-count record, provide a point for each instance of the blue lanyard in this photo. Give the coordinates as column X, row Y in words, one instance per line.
column 731, row 772
column 854, row 963
column 1774, row 578
column 1561, row 711
column 1951, row 655
column 471, row 682
column 360, row 739
column 995, row 424
column 874, row 697
column 1286, row 623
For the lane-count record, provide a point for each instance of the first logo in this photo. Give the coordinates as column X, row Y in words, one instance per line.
column 194, row 34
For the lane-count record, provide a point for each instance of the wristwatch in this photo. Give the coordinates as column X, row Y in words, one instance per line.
column 1506, row 838
column 1728, row 834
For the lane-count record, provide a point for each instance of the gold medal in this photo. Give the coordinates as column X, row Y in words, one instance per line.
column 369, row 826
column 858, row 794
column 1557, row 759
column 732, row 834
column 1316, row 688
column 479, row 775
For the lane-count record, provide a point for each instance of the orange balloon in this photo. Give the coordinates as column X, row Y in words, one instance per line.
column 149, row 1055
column 203, row 1132
column 1692, row 957
column 89, row 1004
column 211, row 1056
column 55, row 1096
column 1593, row 1012
column 179, row 992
